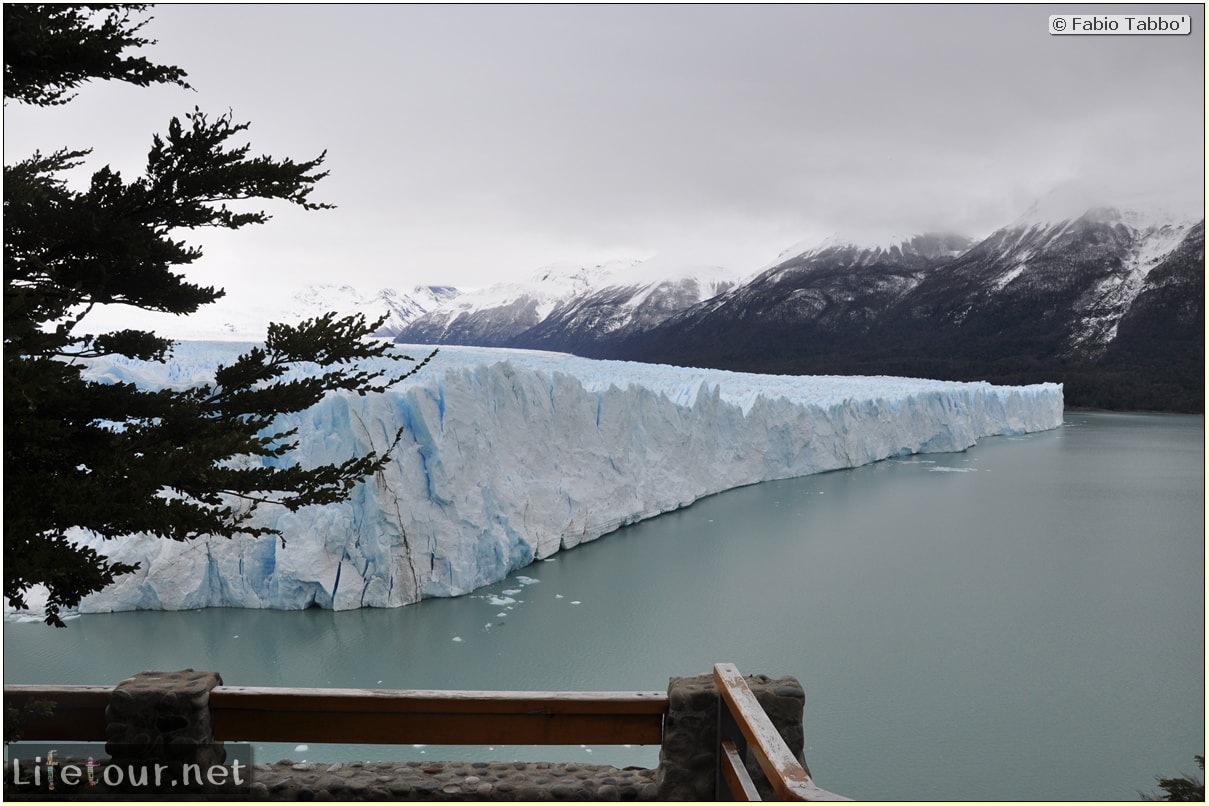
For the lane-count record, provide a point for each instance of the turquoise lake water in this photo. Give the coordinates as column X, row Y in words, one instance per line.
column 1020, row 621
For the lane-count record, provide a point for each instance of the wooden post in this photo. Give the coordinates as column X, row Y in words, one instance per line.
column 787, row 777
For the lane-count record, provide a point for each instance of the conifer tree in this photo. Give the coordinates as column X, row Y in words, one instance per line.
column 109, row 457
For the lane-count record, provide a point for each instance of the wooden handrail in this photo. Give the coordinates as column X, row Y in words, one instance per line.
column 788, row 778
column 379, row 716
column 79, row 712
column 375, row 716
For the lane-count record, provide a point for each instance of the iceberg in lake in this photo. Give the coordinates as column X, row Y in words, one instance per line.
column 511, row 456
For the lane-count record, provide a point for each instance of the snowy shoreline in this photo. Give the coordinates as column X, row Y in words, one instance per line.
column 510, row 456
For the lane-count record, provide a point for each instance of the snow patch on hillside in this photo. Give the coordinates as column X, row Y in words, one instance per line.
column 1102, row 309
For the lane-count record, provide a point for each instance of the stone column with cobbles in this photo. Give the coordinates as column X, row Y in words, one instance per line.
column 688, row 756
column 163, row 717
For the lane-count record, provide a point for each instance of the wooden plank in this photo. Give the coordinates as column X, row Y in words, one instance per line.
column 79, row 695
column 789, row 780
column 79, row 713
column 385, row 716
column 734, row 772
column 439, row 702
column 361, row 727
column 380, row 716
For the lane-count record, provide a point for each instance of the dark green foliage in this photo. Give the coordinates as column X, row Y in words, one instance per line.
column 1185, row 788
column 52, row 49
column 16, row 718
column 112, row 458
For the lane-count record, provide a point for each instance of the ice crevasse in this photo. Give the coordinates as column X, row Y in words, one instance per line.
column 510, row 456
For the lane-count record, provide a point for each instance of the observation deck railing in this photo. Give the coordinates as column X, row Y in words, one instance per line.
column 379, row 716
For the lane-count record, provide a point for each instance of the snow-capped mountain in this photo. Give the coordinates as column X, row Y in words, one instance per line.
column 497, row 315
column 243, row 320
column 813, row 294
column 1109, row 300
column 571, row 308
column 837, row 250
column 841, row 283
column 398, row 307
column 1070, row 281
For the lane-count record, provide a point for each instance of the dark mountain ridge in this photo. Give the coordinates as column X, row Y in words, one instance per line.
column 1109, row 303
column 1112, row 308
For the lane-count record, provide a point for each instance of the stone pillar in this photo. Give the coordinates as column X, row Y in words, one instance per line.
column 688, row 756
column 163, row 717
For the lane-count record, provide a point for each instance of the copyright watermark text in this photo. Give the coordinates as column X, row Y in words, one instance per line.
column 88, row 772
column 1123, row 24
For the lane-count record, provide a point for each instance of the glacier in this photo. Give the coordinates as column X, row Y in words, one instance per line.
column 510, row 456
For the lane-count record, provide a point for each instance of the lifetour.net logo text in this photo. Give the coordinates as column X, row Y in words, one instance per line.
column 87, row 769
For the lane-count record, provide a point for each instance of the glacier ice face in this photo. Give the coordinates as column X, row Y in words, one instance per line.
column 510, row 456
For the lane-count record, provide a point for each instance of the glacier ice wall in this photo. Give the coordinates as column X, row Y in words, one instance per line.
column 509, row 456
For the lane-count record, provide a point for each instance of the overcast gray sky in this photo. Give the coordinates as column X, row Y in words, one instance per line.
column 469, row 144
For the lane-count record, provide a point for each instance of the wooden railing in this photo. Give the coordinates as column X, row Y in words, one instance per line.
column 372, row 716
column 743, row 726
column 438, row 717
column 78, row 715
